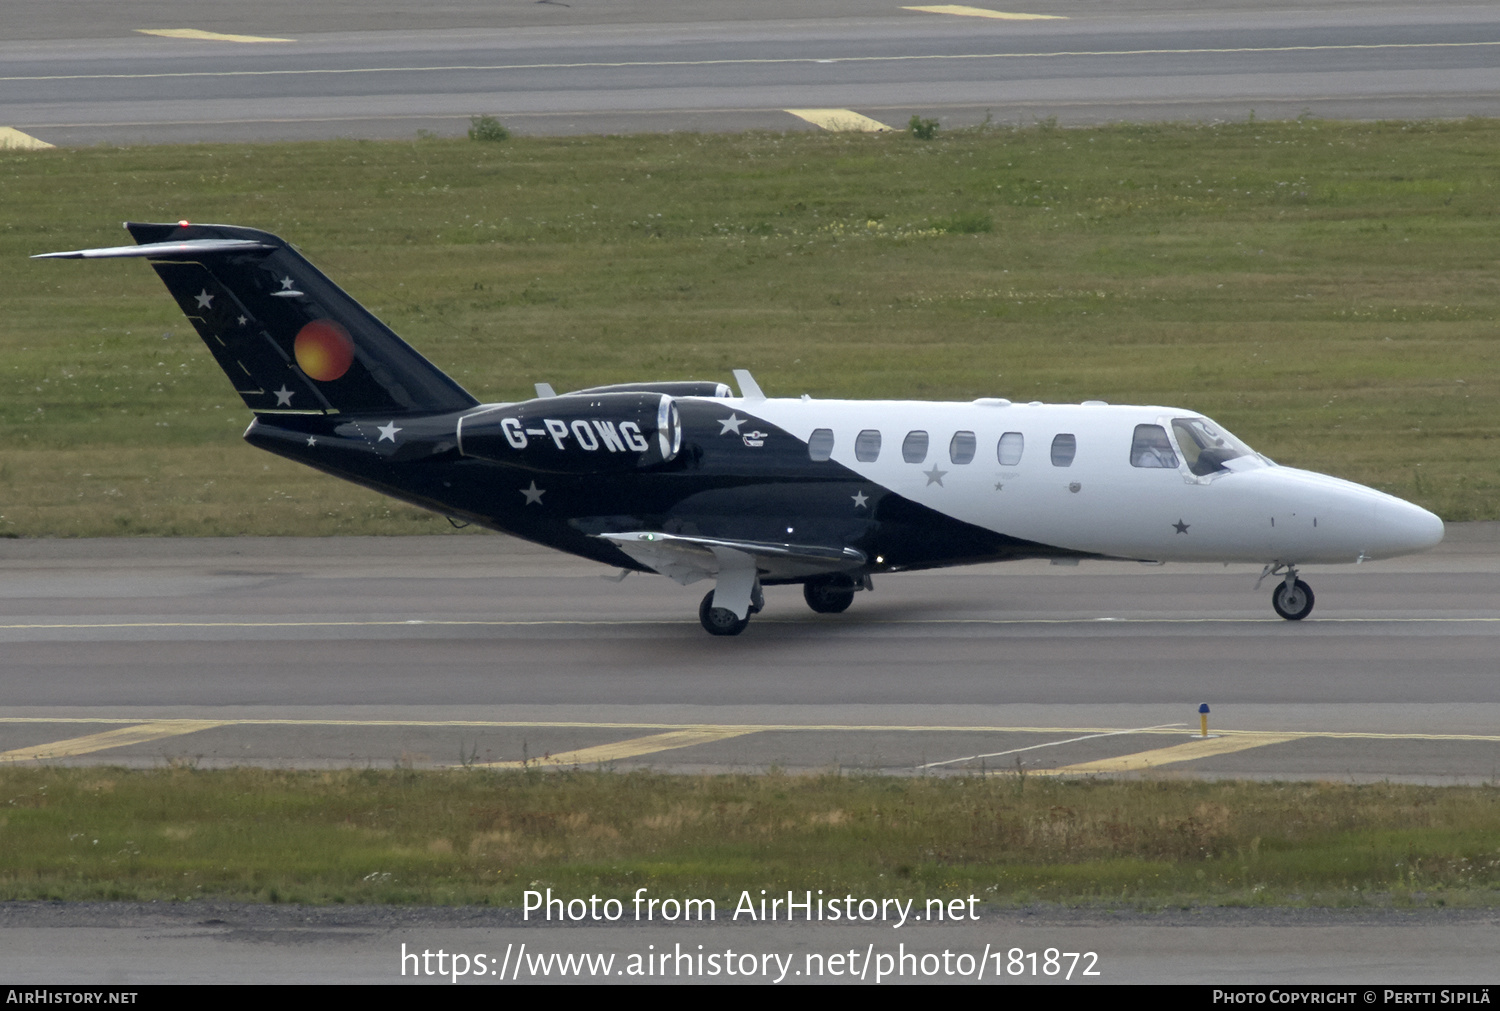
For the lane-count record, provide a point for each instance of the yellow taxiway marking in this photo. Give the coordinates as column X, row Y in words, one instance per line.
column 733, row 729
column 981, row 12
column 633, row 748
column 1187, row 752
column 1160, row 728
column 195, row 33
column 763, row 61
column 138, row 734
column 840, row 120
column 12, row 139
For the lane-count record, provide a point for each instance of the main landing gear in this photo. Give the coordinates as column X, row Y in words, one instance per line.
column 723, row 621
column 830, row 594
column 1292, row 598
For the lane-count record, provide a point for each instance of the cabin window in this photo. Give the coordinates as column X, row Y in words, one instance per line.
column 867, row 446
column 1064, row 448
column 1011, row 446
column 1151, row 448
column 961, row 448
column 914, row 447
column 820, row 444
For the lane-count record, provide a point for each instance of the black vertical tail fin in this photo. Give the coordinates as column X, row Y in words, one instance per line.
column 290, row 340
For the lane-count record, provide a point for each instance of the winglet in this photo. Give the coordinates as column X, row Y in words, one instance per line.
column 544, row 390
column 749, row 388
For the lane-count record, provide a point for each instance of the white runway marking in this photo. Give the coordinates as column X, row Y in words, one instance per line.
column 747, row 61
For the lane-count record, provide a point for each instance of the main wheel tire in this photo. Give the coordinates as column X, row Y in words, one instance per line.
column 720, row 620
column 1294, row 603
column 828, row 596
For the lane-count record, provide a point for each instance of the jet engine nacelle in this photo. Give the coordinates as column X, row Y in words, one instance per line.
column 595, row 433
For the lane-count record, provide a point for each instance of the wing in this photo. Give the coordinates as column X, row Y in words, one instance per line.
column 688, row 559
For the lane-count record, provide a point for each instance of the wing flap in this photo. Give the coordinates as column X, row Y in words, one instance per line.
column 686, row 559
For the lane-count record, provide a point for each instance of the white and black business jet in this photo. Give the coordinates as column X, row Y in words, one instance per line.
column 689, row 481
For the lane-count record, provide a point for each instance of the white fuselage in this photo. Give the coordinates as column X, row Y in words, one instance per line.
column 1251, row 510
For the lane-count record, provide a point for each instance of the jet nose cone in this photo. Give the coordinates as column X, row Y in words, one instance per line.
column 1401, row 528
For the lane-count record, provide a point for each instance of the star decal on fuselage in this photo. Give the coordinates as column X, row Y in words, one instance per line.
column 312, row 441
column 387, row 431
column 284, row 396
column 205, row 300
column 860, row 498
column 242, row 320
column 731, row 424
column 533, row 494
column 935, row 476
column 287, row 282
column 1181, row 527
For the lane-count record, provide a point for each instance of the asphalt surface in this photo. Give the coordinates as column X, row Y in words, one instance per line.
column 391, row 70
column 441, row 650
column 124, row 944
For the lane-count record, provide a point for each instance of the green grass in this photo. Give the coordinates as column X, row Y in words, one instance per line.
column 1326, row 290
column 473, row 836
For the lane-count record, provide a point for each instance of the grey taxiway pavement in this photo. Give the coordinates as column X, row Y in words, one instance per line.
column 328, row 68
column 482, row 649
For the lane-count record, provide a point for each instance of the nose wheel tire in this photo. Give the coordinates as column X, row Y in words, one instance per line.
column 828, row 596
column 1293, row 602
column 720, row 620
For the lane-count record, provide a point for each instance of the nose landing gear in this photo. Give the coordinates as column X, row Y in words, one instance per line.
column 1292, row 598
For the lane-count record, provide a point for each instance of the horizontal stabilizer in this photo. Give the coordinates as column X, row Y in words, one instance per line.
column 686, row 559
column 189, row 247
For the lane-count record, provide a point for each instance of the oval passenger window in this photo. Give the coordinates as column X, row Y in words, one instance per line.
column 1012, row 445
column 867, row 446
column 820, row 444
column 914, row 448
column 1064, row 448
column 961, row 447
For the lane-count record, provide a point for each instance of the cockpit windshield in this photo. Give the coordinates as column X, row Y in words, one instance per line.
column 1205, row 446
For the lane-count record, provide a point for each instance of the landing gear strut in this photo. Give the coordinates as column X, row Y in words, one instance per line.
column 1292, row 598
column 830, row 594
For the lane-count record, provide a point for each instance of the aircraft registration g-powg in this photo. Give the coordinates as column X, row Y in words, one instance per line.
column 689, row 481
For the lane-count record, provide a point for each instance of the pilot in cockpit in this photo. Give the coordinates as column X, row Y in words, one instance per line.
column 1151, row 448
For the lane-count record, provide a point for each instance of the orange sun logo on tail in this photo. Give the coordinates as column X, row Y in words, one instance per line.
column 324, row 350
